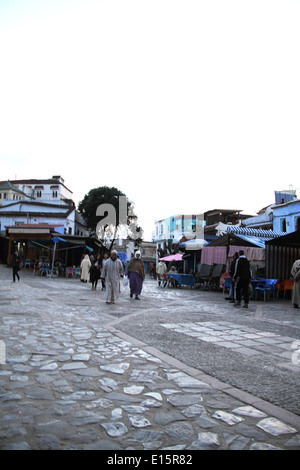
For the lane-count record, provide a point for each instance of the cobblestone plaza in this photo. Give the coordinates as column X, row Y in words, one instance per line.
column 181, row 369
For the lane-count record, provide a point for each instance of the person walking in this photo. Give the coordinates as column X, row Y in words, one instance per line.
column 231, row 296
column 15, row 264
column 295, row 272
column 95, row 272
column 105, row 258
column 161, row 270
column 85, row 269
column 112, row 272
column 136, row 275
column 242, row 278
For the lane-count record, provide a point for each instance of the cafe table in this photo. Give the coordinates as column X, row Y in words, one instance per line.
column 183, row 279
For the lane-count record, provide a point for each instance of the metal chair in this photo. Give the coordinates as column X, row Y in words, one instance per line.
column 215, row 275
column 203, row 276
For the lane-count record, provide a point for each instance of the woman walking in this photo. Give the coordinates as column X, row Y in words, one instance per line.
column 136, row 275
column 95, row 272
column 102, row 275
column 16, row 260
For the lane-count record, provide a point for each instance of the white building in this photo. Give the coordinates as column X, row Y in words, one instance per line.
column 46, row 201
column 46, row 190
column 173, row 229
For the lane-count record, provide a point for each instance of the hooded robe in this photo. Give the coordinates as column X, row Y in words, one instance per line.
column 136, row 274
column 112, row 271
column 85, row 269
column 296, row 287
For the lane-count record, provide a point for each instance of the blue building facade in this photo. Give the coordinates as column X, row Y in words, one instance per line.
column 285, row 216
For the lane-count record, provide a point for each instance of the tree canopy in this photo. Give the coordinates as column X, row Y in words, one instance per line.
column 95, row 208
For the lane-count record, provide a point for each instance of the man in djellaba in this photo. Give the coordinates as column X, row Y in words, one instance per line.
column 112, row 272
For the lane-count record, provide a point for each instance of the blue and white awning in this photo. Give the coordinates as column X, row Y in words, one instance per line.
column 257, row 241
column 254, row 232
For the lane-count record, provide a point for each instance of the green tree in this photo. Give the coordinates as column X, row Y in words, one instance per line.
column 102, row 196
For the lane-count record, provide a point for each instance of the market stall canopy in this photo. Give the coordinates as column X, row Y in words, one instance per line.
column 252, row 236
column 176, row 257
column 195, row 244
column 255, row 232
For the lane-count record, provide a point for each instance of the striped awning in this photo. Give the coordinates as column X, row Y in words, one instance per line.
column 259, row 233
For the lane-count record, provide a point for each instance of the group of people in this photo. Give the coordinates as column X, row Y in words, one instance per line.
column 91, row 269
column 111, row 270
column 241, row 275
column 161, row 274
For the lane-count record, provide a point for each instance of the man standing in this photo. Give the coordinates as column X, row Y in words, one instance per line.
column 296, row 288
column 161, row 270
column 242, row 278
column 112, row 271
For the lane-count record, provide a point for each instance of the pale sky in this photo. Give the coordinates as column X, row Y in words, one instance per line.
column 185, row 106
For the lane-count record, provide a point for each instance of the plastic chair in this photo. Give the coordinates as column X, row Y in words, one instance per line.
column 77, row 272
column 36, row 269
column 284, row 287
column 70, row 272
column 27, row 264
column 227, row 284
column 287, row 287
column 267, row 287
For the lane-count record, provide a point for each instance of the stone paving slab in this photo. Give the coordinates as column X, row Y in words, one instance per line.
column 264, row 369
column 78, row 375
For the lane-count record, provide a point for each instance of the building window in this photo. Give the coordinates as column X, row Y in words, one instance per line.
column 283, row 225
column 54, row 194
column 296, row 223
column 39, row 194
